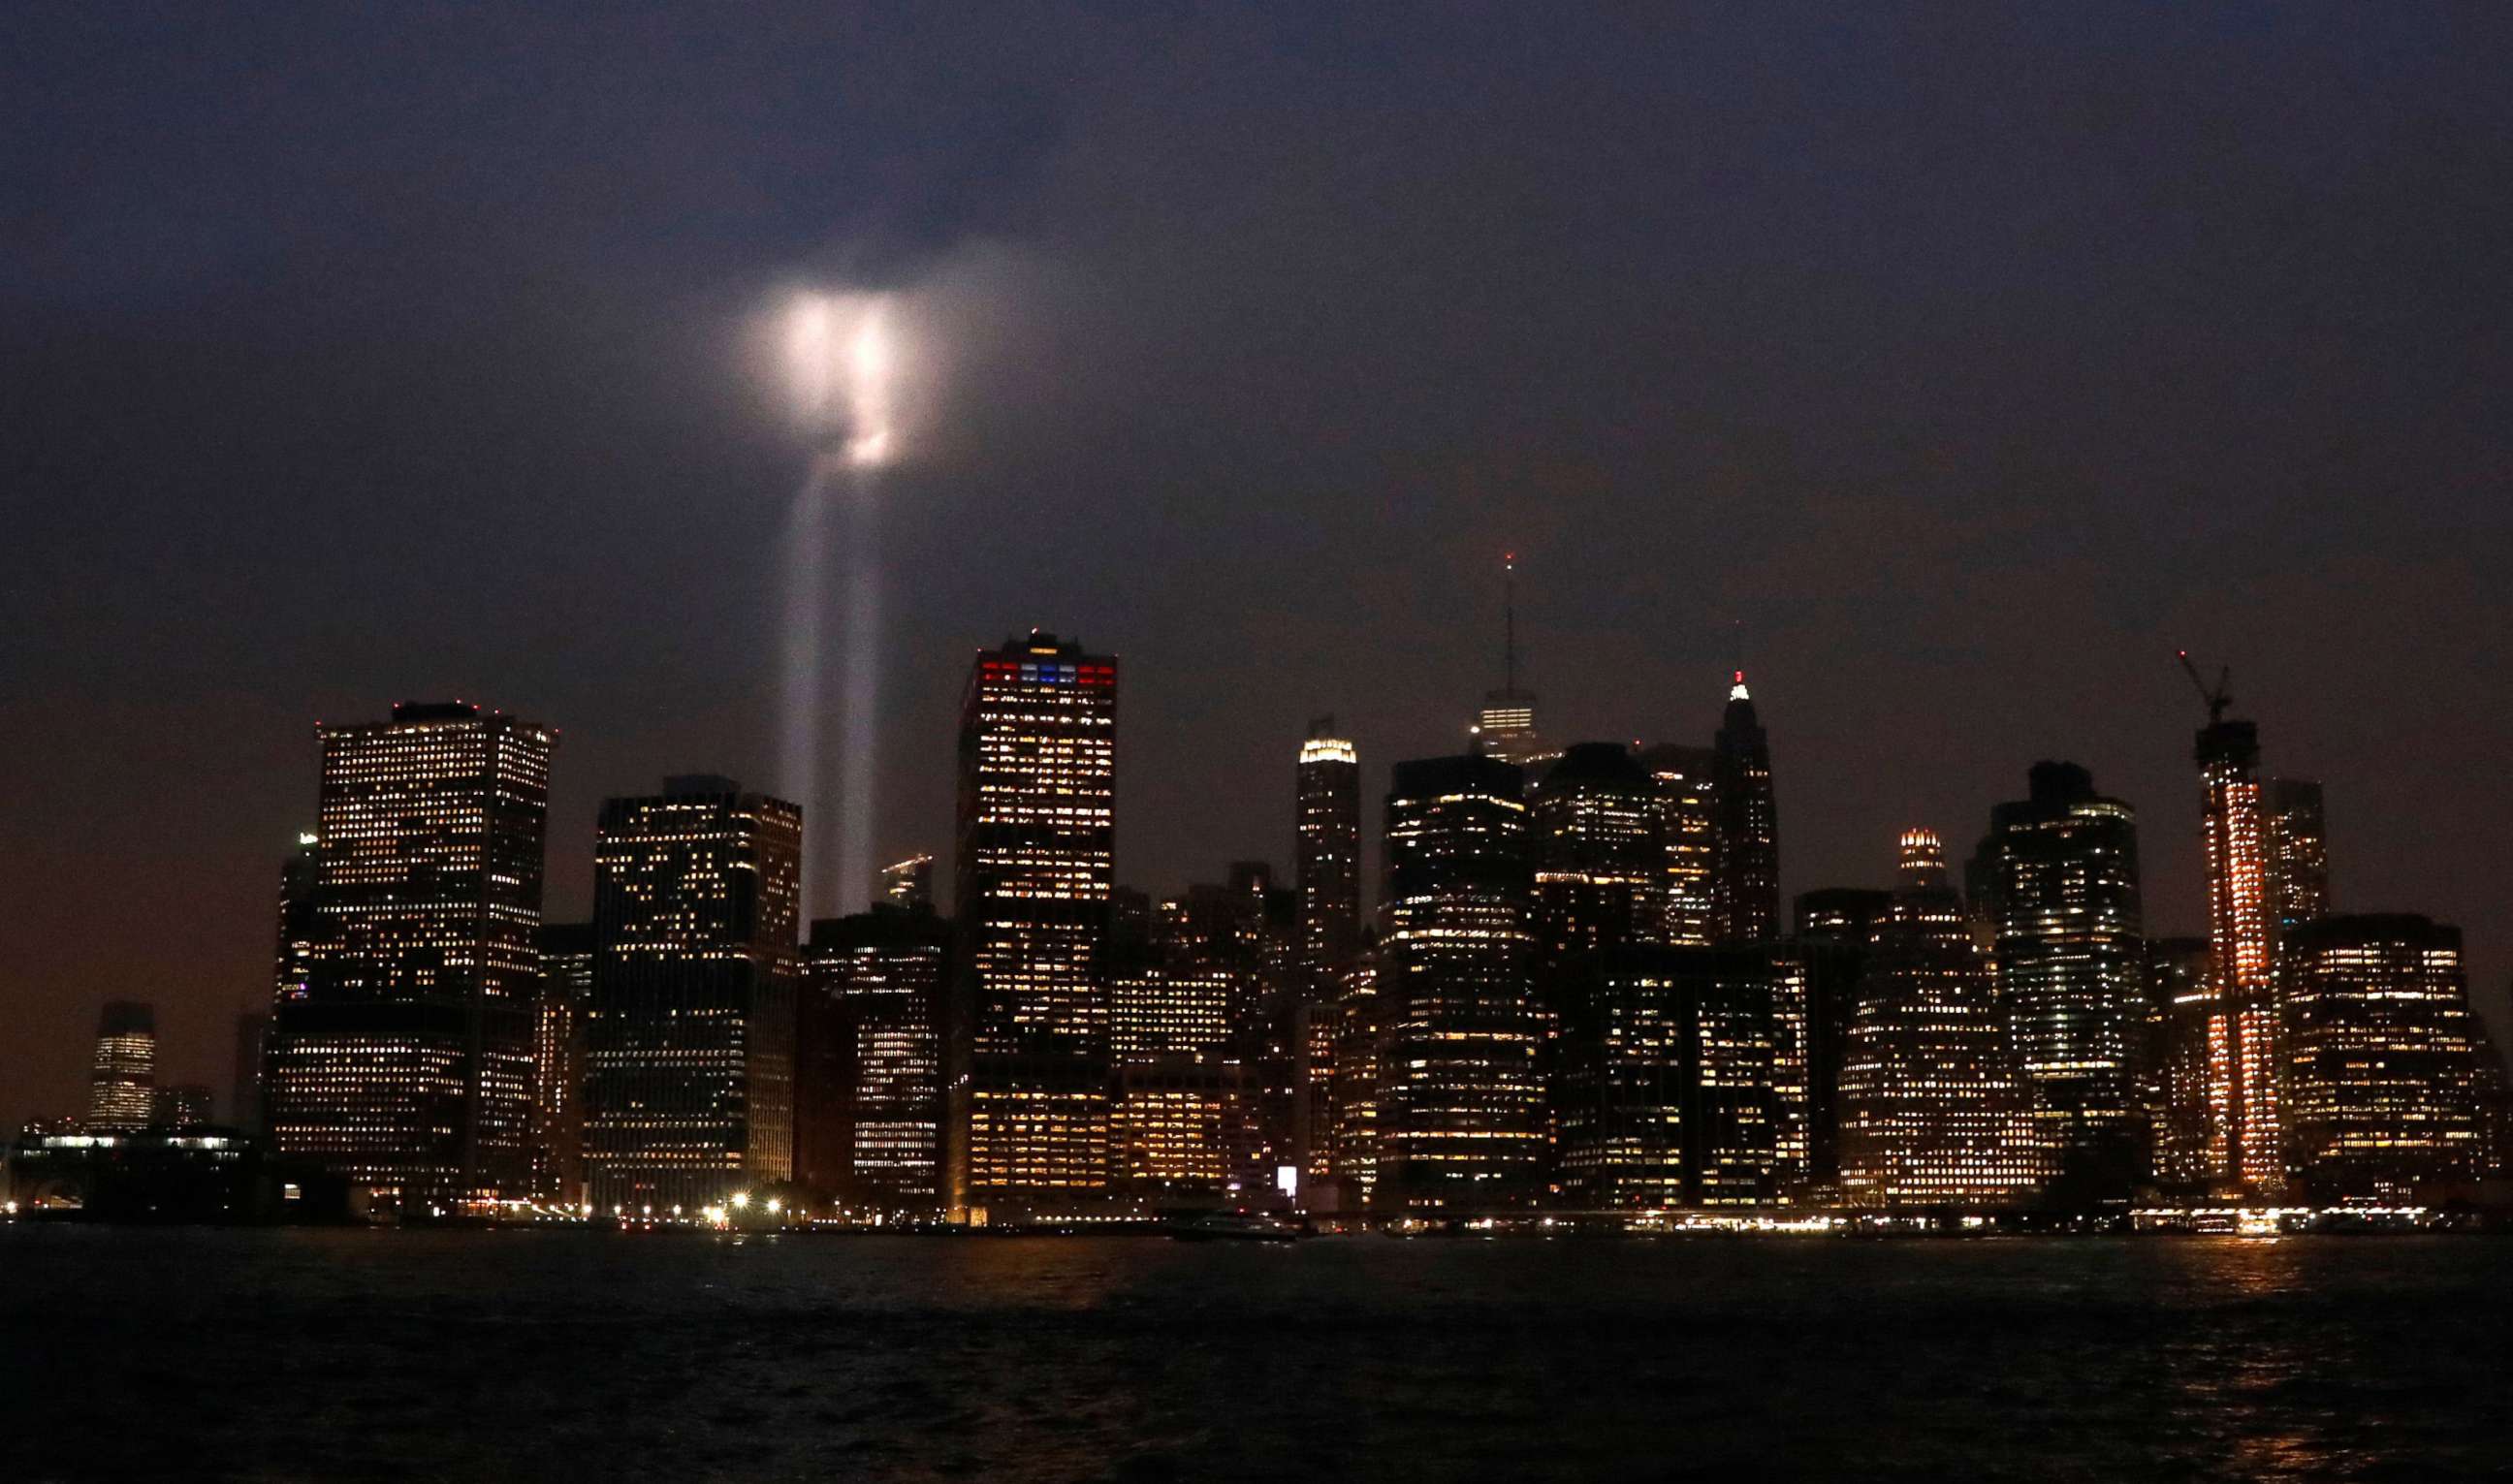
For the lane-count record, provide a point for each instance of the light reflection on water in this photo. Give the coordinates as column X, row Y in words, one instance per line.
column 546, row 1355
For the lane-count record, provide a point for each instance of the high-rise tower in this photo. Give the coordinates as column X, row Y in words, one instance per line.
column 689, row 1042
column 122, row 1083
column 2246, row 1139
column 2061, row 880
column 1326, row 852
column 405, row 1063
column 1932, row 1110
column 1460, row 1115
column 1037, row 858
column 1686, row 807
column 2294, row 842
column 1746, row 873
column 1505, row 725
column 1600, row 849
column 2382, row 1061
column 565, row 993
column 868, row 1123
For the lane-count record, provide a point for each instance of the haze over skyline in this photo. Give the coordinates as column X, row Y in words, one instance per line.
column 1966, row 366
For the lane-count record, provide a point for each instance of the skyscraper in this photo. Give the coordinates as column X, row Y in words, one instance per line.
column 1664, row 1091
column 689, row 1039
column 293, row 964
column 1461, row 1110
column 2062, row 879
column 1829, row 952
column 1599, row 846
column 2295, row 849
column 1599, row 837
column 1504, row 727
column 1326, row 850
column 2382, row 1055
column 243, row 1105
column 405, row 1063
column 1745, row 870
column 559, row 1004
column 1360, row 1033
column 2175, row 1063
column 2246, row 1148
column 874, row 991
column 908, row 884
column 1685, row 793
column 122, row 1082
column 1037, row 857
column 180, row 1105
column 1933, row 1109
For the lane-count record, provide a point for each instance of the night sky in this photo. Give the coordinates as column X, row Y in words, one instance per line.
column 1955, row 367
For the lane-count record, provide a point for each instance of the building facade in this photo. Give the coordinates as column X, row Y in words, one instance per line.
column 1933, row 1107
column 1037, row 857
column 558, row 1061
column 2295, row 848
column 1666, row 1091
column 2382, row 1069
column 1461, row 1106
column 122, row 1077
column 2176, row 1063
column 2060, row 874
column 1689, row 817
column 869, row 1098
column 688, row 1037
column 403, row 1061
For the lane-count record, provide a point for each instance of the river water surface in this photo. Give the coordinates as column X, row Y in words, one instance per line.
column 466, row 1356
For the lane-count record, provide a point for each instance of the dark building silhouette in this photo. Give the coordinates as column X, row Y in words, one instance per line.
column 1036, row 862
column 2058, row 877
column 1689, row 817
column 243, row 1105
column 2381, row 1058
column 2294, row 840
column 1461, row 1108
column 565, row 991
column 869, row 1098
column 293, row 963
column 1745, row 872
column 2174, row 1071
column 689, row 1038
column 405, row 1062
column 1933, row 1111
column 1326, row 848
column 181, row 1106
column 122, row 1079
column 1829, row 952
column 1664, row 1084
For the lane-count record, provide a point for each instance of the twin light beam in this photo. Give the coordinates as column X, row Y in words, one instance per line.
column 839, row 367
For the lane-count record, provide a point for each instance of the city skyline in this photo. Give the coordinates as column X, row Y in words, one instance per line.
column 1820, row 342
column 211, row 1062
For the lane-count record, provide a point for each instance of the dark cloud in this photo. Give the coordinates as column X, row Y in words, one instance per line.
column 1956, row 366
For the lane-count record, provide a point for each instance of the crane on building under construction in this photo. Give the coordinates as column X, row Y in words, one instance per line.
column 2217, row 697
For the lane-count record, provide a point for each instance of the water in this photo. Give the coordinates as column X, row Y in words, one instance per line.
column 306, row 1355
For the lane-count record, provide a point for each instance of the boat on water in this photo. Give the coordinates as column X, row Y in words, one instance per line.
column 1232, row 1227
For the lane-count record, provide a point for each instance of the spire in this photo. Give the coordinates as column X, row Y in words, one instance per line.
column 1509, row 620
column 1737, row 691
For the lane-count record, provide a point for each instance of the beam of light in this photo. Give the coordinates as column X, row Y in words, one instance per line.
column 840, row 367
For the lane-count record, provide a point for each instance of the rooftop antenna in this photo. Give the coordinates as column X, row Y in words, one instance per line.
column 2217, row 699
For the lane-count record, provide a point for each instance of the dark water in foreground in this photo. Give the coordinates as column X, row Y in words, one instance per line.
column 391, row 1355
